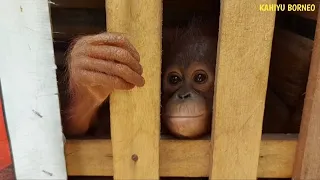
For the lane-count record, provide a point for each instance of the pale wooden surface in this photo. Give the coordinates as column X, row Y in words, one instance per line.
column 244, row 48
column 179, row 158
column 29, row 87
column 307, row 162
column 89, row 157
column 135, row 115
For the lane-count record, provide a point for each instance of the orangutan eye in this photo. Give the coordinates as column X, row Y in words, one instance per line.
column 200, row 77
column 174, row 79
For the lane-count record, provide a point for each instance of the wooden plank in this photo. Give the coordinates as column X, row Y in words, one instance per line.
column 304, row 14
column 30, row 93
column 307, row 162
column 180, row 158
column 276, row 156
column 135, row 115
column 243, row 58
column 89, row 157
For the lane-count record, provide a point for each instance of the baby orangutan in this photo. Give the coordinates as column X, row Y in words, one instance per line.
column 102, row 63
column 99, row 64
column 188, row 84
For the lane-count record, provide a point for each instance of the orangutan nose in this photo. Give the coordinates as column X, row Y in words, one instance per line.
column 184, row 95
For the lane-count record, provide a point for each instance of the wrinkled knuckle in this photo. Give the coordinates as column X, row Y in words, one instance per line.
column 73, row 55
column 126, row 41
column 122, row 68
column 124, row 54
column 119, row 67
column 88, row 49
column 106, row 36
column 123, row 40
column 115, row 82
column 78, row 47
column 119, row 54
column 85, row 40
column 117, row 51
column 75, row 63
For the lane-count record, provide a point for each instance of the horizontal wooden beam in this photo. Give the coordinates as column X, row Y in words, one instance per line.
column 304, row 14
column 180, row 158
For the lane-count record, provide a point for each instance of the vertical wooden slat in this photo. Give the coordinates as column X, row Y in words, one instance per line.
column 307, row 162
column 135, row 115
column 244, row 49
column 30, row 92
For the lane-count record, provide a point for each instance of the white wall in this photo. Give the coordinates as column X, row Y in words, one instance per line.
column 27, row 73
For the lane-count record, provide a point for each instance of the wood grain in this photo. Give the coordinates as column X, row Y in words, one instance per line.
column 180, row 158
column 135, row 115
column 243, row 58
column 307, row 162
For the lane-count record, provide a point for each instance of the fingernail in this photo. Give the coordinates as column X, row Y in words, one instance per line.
column 142, row 84
column 144, row 81
column 141, row 71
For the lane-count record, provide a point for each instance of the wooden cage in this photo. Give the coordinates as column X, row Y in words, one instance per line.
column 236, row 149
